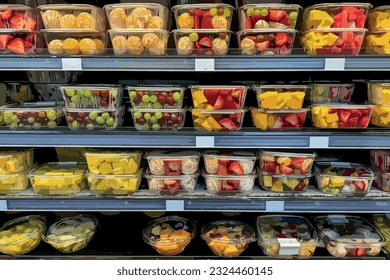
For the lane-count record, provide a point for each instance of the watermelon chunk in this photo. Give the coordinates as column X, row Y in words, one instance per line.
column 230, row 103
column 285, row 20
column 219, row 103
column 344, row 115
column 228, row 124
column 340, row 20
column 17, row 46
column 293, row 120
column 4, row 39
column 17, row 21
column 351, row 12
column 206, row 21
column 360, row 21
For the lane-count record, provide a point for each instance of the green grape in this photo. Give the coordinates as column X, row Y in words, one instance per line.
column 15, row 118
column 147, row 116
column 141, row 105
column 113, row 93
column 213, row 12
column 90, row 126
column 51, row 115
column 80, row 92
column 52, row 124
column 264, row 12
column 145, row 98
column 72, row 105
column 250, row 12
column 36, row 125
column 105, row 115
column 133, row 94
column 137, row 115
column 75, row 124
column 100, row 120
column 110, row 121
column 7, row 120
column 153, row 119
column 156, row 106
column 176, row 96
column 226, row 12
column 8, row 114
column 227, row 38
column 193, row 37
column 93, row 115
column 84, row 101
column 69, row 92
column 87, row 93
column 156, row 126
column 30, row 119
column 158, row 115
column 75, row 99
column 257, row 12
column 293, row 15
column 153, row 99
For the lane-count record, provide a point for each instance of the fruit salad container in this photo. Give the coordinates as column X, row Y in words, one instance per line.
column 334, row 115
column 280, row 97
column 31, row 115
column 378, row 93
column 335, row 15
column 15, row 161
column 283, row 183
column 218, row 120
column 156, row 97
column 22, row 235
column 18, row 17
column 286, row 236
column 75, row 42
column 94, row 118
column 286, row 163
column 202, row 42
column 170, row 184
column 18, row 92
column 137, row 16
column 139, row 42
column 382, row 224
column 229, row 163
column 227, row 238
column 382, row 179
column 73, row 16
column 266, row 42
column 173, row 163
column 377, row 43
column 268, row 16
column 344, row 178
column 378, row 18
column 333, row 41
column 114, row 184
column 58, row 178
column 13, row 183
column 327, row 92
column 113, row 162
column 158, row 119
column 70, row 154
column 380, row 159
column 229, row 184
column 169, row 235
column 278, row 119
column 92, row 97
column 71, row 234
column 381, row 115
column 19, row 42
column 203, row 16
column 350, row 236
column 218, row 97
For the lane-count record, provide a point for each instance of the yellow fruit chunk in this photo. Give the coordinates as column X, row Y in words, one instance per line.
column 85, row 21
column 117, row 18
column 71, row 46
column 185, row 21
column 198, row 97
column 319, row 19
column 88, row 46
column 68, row 22
column 219, row 22
column 269, row 99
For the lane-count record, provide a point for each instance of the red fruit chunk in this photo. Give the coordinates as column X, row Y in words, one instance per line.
column 350, row 11
column 285, row 20
column 236, row 184
column 355, row 113
column 280, row 39
column 363, row 122
column 228, row 124
column 358, row 252
column 300, row 187
column 262, row 46
column 30, row 24
column 206, row 21
column 293, row 119
column 230, row 103
column 253, row 38
column 302, row 117
column 17, row 21
column 206, row 42
column 28, row 45
column 30, row 38
column 169, row 183
column 8, row 14
column 340, row 20
column 226, row 186
column 219, row 103
column 305, row 171
column 285, row 169
column 352, row 122
column 225, row 92
column 17, row 46
column 211, row 95
column 255, row 19
column 270, row 167
column 276, row 15
column 361, row 185
column 236, row 169
column 297, row 162
column 4, row 39
column 248, row 24
column 344, row 115
column 2, row 25
column 172, row 167
column 222, row 170
column 200, row 13
column 280, row 235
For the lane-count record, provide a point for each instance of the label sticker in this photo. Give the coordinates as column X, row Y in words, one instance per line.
column 274, row 206
column 205, row 141
column 174, row 205
column 334, row 64
column 338, row 219
column 72, row 64
column 3, row 205
column 288, row 246
column 204, row 64
column 319, row 142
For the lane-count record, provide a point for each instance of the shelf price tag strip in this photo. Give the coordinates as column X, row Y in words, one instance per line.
column 174, row 205
column 334, row 64
column 205, row 142
column 72, row 64
column 274, row 206
column 204, row 64
column 3, row 205
column 319, row 142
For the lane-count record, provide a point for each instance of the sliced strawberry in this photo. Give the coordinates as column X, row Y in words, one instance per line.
column 228, row 124
column 363, row 122
column 17, row 46
column 358, row 252
column 30, row 24
column 344, row 115
column 285, row 169
column 2, row 25
column 270, row 167
column 276, row 15
column 4, row 39
column 293, row 119
column 206, row 42
column 262, row 46
column 361, row 185
column 236, row 169
column 222, row 170
column 280, row 39
column 297, row 163
column 172, row 167
column 219, row 103
column 8, row 14
column 30, row 38
column 355, row 113
column 17, row 21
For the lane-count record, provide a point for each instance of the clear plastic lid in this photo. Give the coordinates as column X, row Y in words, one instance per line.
column 114, row 32
column 283, row 154
column 201, row 6
column 37, row 223
column 32, row 106
column 228, row 231
column 107, row 153
column 344, row 170
column 342, row 106
column 230, row 177
column 218, row 112
column 74, row 110
column 158, row 110
column 149, row 175
column 287, row 176
column 270, row 30
column 271, row 6
column 14, row 7
column 217, row 87
column 59, row 169
column 67, row 7
column 202, row 31
column 234, row 155
column 258, row 87
column 324, row 84
column 336, row 30
column 172, row 155
column 336, row 6
column 134, row 5
column 155, row 88
column 267, row 111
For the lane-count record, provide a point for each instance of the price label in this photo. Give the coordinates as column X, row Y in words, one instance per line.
column 204, row 64
column 274, row 206
column 72, row 64
column 205, row 142
column 334, row 64
column 3, row 205
column 319, row 142
column 174, row 205
column 288, row 246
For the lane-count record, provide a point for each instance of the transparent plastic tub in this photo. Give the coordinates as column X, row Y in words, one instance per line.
column 286, row 236
column 280, row 97
column 19, row 42
column 286, row 163
column 203, row 16
column 229, row 184
column 14, row 161
column 73, row 16
column 334, row 115
column 344, row 178
column 268, row 16
column 283, row 183
column 139, row 42
column 96, row 97
column 382, row 179
column 18, row 92
column 378, row 93
column 18, row 17
column 350, row 236
column 227, row 238
column 218, row 97
column 382, row 224
column 173, row 163
column 381, row 115
column 158, row 119
column 278, row 119
column 156, row 97
column 218, row 120
column 326, row 92
column 113, row 162
column 94, row 118
column 48, row 92
column 169, row 235
column 333, row 41
column 266, row 41
column 170, row 184
column 13, row 183
column 380, row 159
column 137, row 16
column 229, row 163
column 71, row 234
column 378, row 18
column 114, row 184
column 58, row 178
column 377, row 43
column 202, row 42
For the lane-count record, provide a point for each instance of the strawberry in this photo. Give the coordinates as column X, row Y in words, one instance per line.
column 30, row 24
column 222, row 170
column 30, row 38
column 255, row 19
column 206, row 42
column 17, row 21
column 226, row 186
column 248, row 24
column 285, row 169
column 355, row 113
column 344, row 115
column 236, row 169
column 236, row 184
column 262, row 46
column 4, row 39
column 28, row 45
column 363, row 122
column 172, row 167
column 297, row 162
column 219, row 103
column 270, row 167
column 8, row 14
column 293, row 119
column 361, row 185
column 276, row 15
column 17, row 46
column 358, row 252
column 2, row 25
column 280, row 39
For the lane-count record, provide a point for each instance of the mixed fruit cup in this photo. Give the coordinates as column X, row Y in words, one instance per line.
column 323, row 92
column 379, row 18
column 16, row 161
column 18, row 17
column 283, row 183
column 381, row 115
column 378, row 93
column 380, row 159
column 286, row 163
column 218, row 120
column 229, row 163
column 13, row 183
column 173, row 163
column 286, row 97
column 171, row 184
column 382, row 180
column 156, row 97
column 114, row 184
column 155, row 119
column 377, row 42
column 229, row 184
column 382, row 223
column 218, row 97
column 18, row 41
column 278, row 119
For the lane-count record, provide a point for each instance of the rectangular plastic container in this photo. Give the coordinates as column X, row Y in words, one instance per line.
column 137, row 16
column 280, row 97
column 377, row 43
column 202, row 42
column 382, row 224
column 381, row 115
column 268, row 16
column 173, row 163
column 229, row 163
column 156, row 97
column 380, row 159
column 19, row 17
column 350, row 236
column 158, row 119
column 377, row 18
column 18, row 92
column 278, row 119
column 286, row 163
column 48, row 92
column 218, row 120
column 229, row 184
column 13, row 183
column 382, row 179
column 283, row 183
column 19, row 42
column 378, row 92
column 343, row 178
column 327, row 92
column 286, row 236
column 266, row 41
column 171, row 185
column 15, row 161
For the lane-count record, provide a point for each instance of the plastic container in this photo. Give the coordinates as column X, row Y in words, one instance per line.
column 229, row 184
column 95, row 118
column 203, row 16
column 96, row 97
column 202, row 41
column 283, row 183
column 73, row 16
column 58, row 178
column 18, row 92
column 113, row 162
column 14, row 161
column 286, row 163
column 156, row 97
column 278, row 119
column 377, row 43
column 114, row 184
column 381, row 115
column 333, row 41
column 280, row 97
column 324, row 92
column 19, row 42
column 382, row 179
column 378, row 93
column 18, row 17
column 382, row 224
column 380, row 159
column 158, row 119
column 22, row 235
column 227, row 238
column 13, row 183
column 169, row 235
column 71, row 234
column 218, row 97
column 286, row 236
column 173, row 163
column 170, row 184
column 48, row 92
column 266, row 41
column 349, row 236
column 218, row 120
column 377, row 18
column 229, row 163
column 137, row 16
column 343, row 178
column 266, row 16
column 138, row 42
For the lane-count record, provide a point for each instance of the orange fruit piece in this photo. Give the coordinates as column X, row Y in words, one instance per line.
column 186, row 21
column 88, row 46
column 71, row 46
